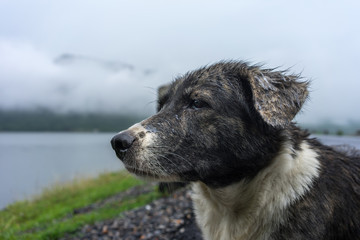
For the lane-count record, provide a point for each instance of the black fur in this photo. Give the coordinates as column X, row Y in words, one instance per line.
column 226, row 122
column 330, row 210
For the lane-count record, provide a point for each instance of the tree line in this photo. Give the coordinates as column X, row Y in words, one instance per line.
column 46, row 120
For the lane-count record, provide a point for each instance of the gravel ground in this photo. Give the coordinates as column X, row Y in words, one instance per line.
column 166, row 218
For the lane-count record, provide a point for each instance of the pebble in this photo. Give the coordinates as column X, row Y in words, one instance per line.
column 165, row 218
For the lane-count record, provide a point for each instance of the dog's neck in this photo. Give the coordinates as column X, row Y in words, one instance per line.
column 253, row 209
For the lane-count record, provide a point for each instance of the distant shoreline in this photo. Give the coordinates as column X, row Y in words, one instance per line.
column 49, row 121
column 44, row 120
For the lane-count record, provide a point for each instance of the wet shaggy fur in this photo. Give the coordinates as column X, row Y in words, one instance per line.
column 227, row 129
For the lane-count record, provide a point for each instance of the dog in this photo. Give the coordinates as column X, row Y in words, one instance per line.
column 227, row 129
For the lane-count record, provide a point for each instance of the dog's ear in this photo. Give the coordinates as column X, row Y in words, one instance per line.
column 163, row 95
column 277, row 97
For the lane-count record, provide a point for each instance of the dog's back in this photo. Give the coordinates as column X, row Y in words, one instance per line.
column 331, row 207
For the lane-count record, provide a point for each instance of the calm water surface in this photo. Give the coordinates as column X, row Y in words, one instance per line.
column 31, row 161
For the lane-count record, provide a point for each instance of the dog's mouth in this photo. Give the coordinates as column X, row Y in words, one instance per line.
column 150, row 174
column 130, row 164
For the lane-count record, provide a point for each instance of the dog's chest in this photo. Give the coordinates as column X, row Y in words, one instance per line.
column 225, row 222
column 253, row 210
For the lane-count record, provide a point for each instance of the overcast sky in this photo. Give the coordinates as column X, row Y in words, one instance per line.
column 163, row 39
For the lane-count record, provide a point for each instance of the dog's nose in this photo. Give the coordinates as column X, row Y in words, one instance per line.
column 122, row 141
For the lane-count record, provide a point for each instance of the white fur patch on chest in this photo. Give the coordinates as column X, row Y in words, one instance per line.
column 253, row 209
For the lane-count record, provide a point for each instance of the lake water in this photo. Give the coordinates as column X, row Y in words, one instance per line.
column 31, row 161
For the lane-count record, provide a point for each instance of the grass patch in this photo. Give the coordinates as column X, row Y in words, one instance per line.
column 50, row 215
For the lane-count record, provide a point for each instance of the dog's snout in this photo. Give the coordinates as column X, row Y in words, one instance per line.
column 122, row 141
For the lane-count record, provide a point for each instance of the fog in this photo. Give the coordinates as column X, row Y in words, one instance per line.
column 73, row 83
column 110, row 56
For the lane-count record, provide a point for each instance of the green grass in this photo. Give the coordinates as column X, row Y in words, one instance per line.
column 50, row 215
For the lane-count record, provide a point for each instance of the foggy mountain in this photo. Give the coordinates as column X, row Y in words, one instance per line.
column 106, row 85
column 69, row 59
column 75, row 83
column 76, row 93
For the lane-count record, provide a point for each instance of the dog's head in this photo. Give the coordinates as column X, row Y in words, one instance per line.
column 217, row 124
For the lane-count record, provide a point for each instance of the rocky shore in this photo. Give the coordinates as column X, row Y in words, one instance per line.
column 169, row 217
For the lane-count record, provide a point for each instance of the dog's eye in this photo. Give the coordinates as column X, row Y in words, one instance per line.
column 196, row 104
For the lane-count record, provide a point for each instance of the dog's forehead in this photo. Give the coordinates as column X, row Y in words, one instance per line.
column 204, row 80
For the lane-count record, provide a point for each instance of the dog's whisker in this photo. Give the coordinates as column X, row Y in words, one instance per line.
column 181, row 157
column 170, row 153
column 164, row 169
